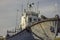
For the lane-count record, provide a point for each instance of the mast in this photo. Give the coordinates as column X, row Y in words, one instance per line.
column 38, row 7
column 16, row 20
column 27, row 4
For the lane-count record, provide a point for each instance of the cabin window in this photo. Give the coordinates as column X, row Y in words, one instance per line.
column 30, row 19
column 35, row 19
column 38, row 19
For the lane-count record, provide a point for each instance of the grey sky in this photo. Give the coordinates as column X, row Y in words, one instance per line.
column 8, row 10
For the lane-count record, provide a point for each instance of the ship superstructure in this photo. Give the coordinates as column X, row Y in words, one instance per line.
column 29, row 18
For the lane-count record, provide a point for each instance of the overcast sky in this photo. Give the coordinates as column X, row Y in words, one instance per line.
column 8, row 11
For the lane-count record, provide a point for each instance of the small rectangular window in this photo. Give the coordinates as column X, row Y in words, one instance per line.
column 38, row 19
column 30, row 19
column 35, row 19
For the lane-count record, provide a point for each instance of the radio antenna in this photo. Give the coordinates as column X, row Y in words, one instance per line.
column 27, row 4
column 38, row 7
column 17, row 14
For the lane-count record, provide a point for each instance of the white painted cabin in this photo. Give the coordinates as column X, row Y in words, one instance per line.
column 29, row 18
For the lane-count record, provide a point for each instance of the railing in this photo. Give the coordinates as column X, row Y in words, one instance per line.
column 46, row 29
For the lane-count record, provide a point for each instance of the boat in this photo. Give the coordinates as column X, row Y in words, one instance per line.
column 34, row 27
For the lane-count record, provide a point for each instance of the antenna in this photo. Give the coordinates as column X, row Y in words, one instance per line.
column 27, row 4
column 17, row 18
column 22, row 8
column 38, row 7
column 17, row 15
